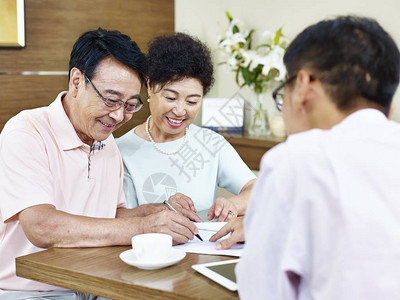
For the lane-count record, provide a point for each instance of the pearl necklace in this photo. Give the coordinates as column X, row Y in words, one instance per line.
column 158, row 147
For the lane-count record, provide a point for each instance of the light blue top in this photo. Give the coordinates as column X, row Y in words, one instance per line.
column 206, row 162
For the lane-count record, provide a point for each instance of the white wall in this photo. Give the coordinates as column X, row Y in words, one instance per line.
column 206, row 18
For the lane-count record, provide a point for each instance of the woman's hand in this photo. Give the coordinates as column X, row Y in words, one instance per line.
column 236, row 227
column 182, row 201
column 184, row 205
column 224, row 209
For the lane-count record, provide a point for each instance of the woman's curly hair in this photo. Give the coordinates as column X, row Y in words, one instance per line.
column 175, row 57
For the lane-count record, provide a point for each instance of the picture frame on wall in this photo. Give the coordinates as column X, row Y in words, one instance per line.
column 223, row 114
column 12, row 23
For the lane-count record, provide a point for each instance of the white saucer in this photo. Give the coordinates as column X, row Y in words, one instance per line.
column 129, row 257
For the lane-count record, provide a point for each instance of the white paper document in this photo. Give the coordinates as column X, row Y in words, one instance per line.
column 207, row 230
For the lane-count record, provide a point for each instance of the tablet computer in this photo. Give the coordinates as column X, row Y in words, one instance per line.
column 222, row 272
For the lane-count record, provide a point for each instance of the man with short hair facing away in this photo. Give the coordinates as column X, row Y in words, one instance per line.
column 324, row 218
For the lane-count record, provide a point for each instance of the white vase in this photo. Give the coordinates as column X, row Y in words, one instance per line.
column 259, row 125
column 277, row 126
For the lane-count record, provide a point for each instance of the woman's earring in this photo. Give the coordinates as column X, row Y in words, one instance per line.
column 148, row 99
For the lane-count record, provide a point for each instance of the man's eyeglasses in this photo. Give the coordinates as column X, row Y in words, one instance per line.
column 112, row 104
column 278, row 93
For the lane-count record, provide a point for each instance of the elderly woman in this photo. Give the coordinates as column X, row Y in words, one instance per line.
column 168, row 157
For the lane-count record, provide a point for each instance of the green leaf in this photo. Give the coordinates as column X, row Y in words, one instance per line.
column 237, row 77
column 263, row 45
column 277, row 36
column 246, row 75
column 249, row 38
column 229, row 16
column 258, row 88
column 235, row 29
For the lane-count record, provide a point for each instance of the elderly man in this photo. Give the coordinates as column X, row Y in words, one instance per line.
column 323, row 221
column 61, row 174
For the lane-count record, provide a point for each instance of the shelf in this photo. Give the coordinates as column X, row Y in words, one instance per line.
column 251, row 148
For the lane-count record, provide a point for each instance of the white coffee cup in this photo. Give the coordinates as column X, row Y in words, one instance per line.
column 152, row 246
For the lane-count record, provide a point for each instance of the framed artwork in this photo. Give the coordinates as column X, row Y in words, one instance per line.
column 12, row 23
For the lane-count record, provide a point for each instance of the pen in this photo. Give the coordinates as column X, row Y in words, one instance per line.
column 174, row 210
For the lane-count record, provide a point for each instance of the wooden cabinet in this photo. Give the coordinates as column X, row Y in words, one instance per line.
column 251, row 149
column 52, row 27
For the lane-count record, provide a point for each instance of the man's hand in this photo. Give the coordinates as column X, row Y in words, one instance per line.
column 224, row 209
column 179, row 227
column 236, row 227
column 184, row 205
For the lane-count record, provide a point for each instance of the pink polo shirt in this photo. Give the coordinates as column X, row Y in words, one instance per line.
column 43, row 161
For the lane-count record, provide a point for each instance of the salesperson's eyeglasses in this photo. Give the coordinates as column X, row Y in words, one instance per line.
column 279, row 92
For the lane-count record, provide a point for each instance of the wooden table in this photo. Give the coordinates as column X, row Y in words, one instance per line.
column 100, row 271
